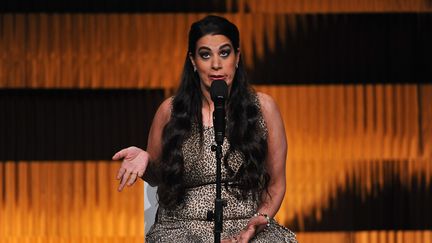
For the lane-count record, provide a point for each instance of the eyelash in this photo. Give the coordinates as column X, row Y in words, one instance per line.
column 223, row 53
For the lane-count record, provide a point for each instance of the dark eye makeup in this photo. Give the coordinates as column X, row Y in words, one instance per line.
column 204, row 54
column 225, row 51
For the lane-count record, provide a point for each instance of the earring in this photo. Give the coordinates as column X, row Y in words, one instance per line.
column 236, row 65
column 195, row 69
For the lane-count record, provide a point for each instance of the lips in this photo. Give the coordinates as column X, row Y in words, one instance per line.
column 217, row 77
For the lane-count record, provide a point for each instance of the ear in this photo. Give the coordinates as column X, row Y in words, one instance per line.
column 237, row 56
column 192, row 59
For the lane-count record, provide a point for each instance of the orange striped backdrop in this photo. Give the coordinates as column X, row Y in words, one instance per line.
column 335, row 132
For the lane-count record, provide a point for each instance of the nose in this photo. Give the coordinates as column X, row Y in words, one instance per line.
column 216, row 63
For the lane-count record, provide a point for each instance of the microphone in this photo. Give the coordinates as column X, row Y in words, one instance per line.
column 219, row 93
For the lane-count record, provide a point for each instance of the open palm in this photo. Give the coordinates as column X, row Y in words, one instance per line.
column 135, row 161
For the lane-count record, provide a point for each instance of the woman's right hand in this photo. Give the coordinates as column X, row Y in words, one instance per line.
column 135, row 161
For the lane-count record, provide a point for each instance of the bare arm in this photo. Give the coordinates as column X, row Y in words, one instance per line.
column 140, row 163
column 154, row 142
column 277, row 152
column 275, row 165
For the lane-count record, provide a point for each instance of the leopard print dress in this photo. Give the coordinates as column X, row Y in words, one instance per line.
column 188, row 223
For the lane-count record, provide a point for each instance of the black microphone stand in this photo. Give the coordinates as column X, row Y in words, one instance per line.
column 218, row 91
column 219, row 126
column 219, row 202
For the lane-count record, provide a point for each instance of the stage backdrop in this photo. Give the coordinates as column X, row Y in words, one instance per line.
column 78, row 81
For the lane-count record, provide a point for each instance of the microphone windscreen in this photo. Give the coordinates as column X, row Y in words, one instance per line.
column 218, row 90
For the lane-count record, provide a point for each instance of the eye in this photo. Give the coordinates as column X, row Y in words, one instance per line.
column 225, row 53
column 204, row 55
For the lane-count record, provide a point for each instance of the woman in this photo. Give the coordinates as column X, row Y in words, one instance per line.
column 179, row 159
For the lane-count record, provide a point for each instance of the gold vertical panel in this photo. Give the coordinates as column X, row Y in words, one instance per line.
column 73, row 50
column 334, row 6
column 338, row 133
column 41, row 50
column 68, row 201
column 367, row 237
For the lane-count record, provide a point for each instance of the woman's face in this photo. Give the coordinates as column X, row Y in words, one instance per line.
column 215, row 59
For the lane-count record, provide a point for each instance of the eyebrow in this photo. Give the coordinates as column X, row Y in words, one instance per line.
column 221, row 47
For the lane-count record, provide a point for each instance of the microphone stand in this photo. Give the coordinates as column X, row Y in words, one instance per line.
column 219, row 127
column 219, row 202
column 218, row 92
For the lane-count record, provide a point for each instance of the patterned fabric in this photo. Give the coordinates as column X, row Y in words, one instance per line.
column 188, row 222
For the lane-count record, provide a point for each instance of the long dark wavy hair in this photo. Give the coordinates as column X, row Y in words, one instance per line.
column 242, row 124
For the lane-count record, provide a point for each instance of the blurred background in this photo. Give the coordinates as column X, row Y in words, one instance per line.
column 80, row 80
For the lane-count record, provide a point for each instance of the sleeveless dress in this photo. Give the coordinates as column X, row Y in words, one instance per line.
column 188, row 223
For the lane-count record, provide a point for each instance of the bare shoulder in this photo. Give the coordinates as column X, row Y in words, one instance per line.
column 275, row 125
column 269, row 107
column 163, row 113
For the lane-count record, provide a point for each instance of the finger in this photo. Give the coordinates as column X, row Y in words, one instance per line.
column 246, row 234
column 120, row 154
column 132, row 179
column 251, row 227
column 124, row 180
column 229, row 240
column 141, row 173
column 245, row 237
column 120, row 173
